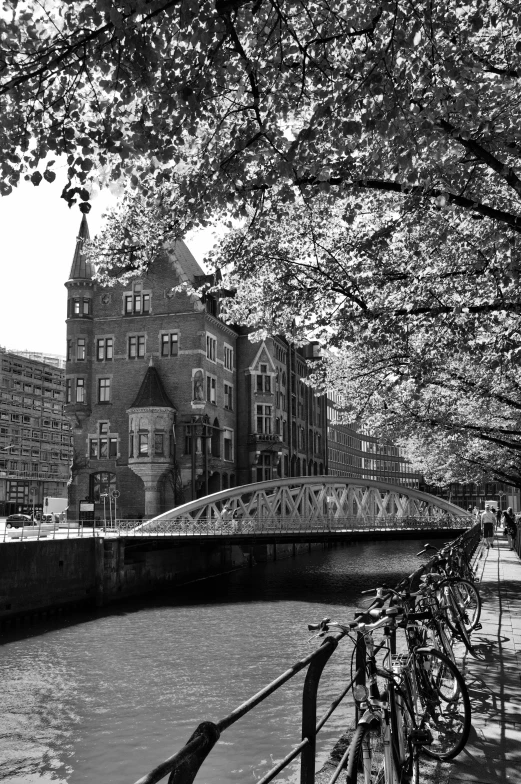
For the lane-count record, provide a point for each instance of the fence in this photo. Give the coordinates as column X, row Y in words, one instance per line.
column 184, row 766
column 214, row 527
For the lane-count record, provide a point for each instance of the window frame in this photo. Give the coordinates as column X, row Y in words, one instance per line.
column 106, row 344
column 211, row 387
column 140, row 344
column 228, row 430
column 228, row 396
column 169, row 341
column 228, row 358
column 211, row 347
column 106, row 388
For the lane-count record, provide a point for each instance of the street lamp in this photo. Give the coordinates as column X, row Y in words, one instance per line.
column 104, row 496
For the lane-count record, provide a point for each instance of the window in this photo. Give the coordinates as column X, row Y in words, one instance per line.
column 159, row 443
column 136, row 347
column 81, row 349
column 69, row 350
column 137, row 302
column 263, row 467
column 228, row 444
column 264, row 419
column 228, row 396
column 103, row 445
column 228, row 357
column 142, row 444
column 68, row 390
column 211, row 347
column 104, row 390
column 169, row 344
column 80, row 391
column 263, row 380
column 101, row 484
column 104, row 349
column 211, row 389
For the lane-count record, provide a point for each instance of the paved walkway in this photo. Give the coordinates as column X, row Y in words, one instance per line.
column 493, row 752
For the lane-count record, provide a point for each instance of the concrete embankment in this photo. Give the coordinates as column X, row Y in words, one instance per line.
column 37, row 577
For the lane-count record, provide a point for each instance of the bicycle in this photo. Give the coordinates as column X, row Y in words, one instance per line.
column 457, row 598
column 436, row 686
column 385, row 746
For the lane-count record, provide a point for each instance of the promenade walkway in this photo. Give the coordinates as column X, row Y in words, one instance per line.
column 493, row 752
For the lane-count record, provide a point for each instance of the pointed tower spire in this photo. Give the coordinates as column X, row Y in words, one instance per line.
column 81, row 269
column 152, row 392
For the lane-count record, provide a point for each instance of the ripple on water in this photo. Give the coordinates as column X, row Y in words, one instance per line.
column 105, row 697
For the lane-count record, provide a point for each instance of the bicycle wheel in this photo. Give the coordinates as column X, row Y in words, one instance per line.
column 442, row 703
column 438, row 638
column 366, row 761
column 469, row 601
column 453, row 616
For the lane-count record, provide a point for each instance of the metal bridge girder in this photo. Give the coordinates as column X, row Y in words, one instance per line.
column 300, row 500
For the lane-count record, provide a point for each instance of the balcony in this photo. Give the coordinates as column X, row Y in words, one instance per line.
column 265, row 438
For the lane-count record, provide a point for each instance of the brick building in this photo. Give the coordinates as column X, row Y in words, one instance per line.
column 168, row 403
column 35, row 439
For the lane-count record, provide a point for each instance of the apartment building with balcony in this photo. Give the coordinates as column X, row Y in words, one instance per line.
column 35, row 437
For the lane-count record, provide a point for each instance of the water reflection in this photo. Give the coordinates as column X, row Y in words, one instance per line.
column 105, row 696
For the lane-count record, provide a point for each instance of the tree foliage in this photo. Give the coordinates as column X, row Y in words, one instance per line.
column 421, row 310
column 372, row 148
column 247, row 101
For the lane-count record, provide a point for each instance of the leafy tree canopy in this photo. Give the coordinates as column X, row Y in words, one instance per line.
column 420, row 308
column 372, row 147
column 243, row 102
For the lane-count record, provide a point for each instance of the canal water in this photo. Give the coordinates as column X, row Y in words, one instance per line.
column 103, row 697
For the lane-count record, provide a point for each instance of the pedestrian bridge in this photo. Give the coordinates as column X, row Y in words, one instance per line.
column 304, row 504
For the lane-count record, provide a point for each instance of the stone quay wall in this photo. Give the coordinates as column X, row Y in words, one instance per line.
column 44, row 576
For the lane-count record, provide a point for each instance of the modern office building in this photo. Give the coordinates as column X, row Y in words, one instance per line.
column 356, row 453
column 35, row 438
column 168, row 403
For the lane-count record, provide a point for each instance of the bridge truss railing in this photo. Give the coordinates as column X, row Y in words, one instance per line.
column 279, row 525
column 212, row 526
column 182, row 767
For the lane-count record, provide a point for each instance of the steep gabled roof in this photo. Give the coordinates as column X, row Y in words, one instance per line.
column 81, row 269
column 152, row 392
column 187, row 261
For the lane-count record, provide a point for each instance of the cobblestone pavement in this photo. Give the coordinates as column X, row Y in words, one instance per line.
column 493, row 752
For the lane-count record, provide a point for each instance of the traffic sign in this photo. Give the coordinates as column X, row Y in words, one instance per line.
column 115, row 494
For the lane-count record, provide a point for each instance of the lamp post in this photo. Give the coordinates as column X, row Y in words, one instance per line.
column 104, row 496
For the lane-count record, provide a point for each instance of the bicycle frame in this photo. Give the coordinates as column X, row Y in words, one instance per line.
column 386, row 709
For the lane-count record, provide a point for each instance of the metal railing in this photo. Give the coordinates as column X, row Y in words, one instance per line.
column 215, row 527
column 185, row 764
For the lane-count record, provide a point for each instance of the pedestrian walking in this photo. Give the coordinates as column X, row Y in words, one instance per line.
column 509, row 526
column 498, row 518
column 488, row 520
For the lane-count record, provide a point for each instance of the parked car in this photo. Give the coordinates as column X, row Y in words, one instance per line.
column 19, row 520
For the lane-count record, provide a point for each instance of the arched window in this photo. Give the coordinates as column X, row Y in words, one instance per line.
column 101, row 483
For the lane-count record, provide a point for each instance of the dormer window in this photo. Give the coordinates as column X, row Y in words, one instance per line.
column 137, row 302
column 263, row 380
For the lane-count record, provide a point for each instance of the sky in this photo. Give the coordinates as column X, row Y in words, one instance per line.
column 37, row 241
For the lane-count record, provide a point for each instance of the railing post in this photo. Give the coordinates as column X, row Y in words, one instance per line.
column 309, row 710
column 360, row 659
